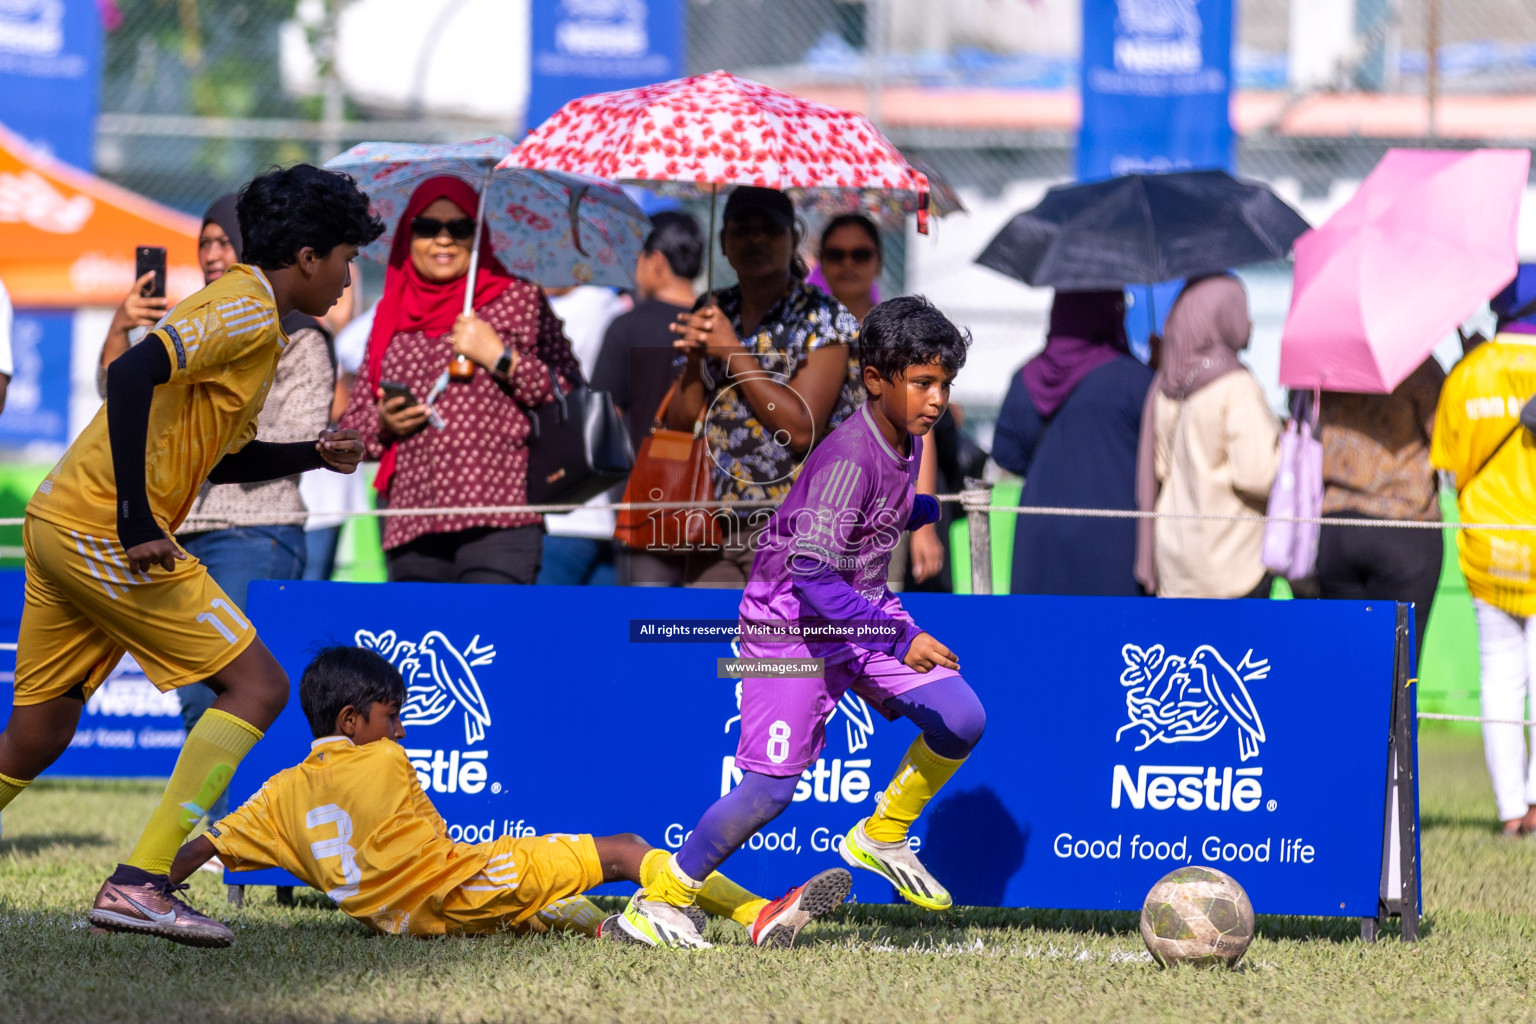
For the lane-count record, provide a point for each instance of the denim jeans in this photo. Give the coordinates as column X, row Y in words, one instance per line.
column 234, row 558
column 577, row 562
column 321, row 545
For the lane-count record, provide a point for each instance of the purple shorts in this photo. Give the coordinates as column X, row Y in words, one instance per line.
column 783, row 721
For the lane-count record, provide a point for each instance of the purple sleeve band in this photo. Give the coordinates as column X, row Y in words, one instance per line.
column 925, row 510
column 831, row 598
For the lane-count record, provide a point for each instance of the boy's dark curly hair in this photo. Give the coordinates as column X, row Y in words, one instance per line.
column 286, row 210
column 342, row 675
column 910, row 331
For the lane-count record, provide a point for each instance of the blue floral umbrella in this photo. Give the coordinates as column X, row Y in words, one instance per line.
column 554, row 228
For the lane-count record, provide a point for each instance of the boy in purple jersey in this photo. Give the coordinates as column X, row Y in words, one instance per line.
column 823, row 562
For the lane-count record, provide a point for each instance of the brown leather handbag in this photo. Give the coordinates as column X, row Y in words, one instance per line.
column 672, row 465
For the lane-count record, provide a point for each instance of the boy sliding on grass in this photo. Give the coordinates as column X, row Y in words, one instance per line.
column 352, row 820
column 824, row 558
column 104, row 576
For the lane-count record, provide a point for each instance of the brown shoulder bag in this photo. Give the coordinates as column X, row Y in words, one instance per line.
column 672, row 465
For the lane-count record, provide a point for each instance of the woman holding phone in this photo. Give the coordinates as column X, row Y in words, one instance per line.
column 218, row 249
column 445, row 443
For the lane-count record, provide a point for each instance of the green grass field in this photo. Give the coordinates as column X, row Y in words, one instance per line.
column 309, row 963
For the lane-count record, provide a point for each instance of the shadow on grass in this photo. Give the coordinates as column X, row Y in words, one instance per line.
column 36, row 843
column 1119, row 923
column 1330, row 929
column 1475, row 822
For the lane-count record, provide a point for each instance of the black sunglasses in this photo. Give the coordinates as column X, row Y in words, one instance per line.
column 460, row 229
column 861, row 255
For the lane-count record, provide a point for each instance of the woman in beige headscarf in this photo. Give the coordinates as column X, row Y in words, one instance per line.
column 1208, row 445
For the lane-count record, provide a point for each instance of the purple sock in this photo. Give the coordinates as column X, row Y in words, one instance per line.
column 733, row 819
column 949, row 713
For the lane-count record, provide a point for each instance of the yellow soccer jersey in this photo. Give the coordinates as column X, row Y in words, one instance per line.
column 353, row 822
column 1478, row 439
column 223, row 343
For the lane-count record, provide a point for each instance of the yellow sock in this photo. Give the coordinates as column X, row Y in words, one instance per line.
column 663, row 880
column 921, row 774
column 719, row 895
column 207, row 762
column 573, row 914
column 10, row 789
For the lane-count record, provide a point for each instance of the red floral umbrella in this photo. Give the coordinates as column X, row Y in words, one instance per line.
column 695, row 136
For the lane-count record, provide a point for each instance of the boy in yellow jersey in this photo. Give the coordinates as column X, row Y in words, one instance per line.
column 352, row 820
column 104, row 576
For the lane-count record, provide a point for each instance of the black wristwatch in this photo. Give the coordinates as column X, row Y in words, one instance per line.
column 504, row 364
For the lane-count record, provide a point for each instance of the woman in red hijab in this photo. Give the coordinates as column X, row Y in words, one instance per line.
column 470, row 448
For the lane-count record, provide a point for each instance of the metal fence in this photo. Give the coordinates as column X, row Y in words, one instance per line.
column 199, row 95
column 195, row 97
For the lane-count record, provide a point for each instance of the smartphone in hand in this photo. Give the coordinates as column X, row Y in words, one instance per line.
column 148, row 258
column 394, row 389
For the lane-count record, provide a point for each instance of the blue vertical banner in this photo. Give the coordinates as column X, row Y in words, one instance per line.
column 587, row 46
column 36, row 418
column 1156, row 84
column 50, row 70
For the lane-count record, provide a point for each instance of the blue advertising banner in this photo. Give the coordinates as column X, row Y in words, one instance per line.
column 586, row 46
column 129, row 728
column 1156, row 85
column 37, row 400
column 50, row 66
column 1125, row 737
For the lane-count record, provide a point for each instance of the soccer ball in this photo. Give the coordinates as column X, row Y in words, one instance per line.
column 1197, row 915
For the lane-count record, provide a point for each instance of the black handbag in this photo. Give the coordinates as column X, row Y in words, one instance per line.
column 578, row 447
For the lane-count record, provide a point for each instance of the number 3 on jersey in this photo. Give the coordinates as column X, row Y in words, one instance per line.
column 778, row 741
column 339, row 846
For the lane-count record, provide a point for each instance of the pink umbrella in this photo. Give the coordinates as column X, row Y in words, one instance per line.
column 697, row 136
column 711, row 131
column 1429, row 237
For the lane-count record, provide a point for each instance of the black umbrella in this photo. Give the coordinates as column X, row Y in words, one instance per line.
column 1142, row 229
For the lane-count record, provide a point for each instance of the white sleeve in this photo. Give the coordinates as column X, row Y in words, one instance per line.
column 352, row 341
column 7, row 319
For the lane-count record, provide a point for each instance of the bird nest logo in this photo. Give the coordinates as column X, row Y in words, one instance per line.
column 439, row 678
column 1173, row 699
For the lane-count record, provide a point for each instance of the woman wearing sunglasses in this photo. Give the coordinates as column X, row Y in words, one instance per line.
column 848, row 266
column 468, row 447
column 850, row 261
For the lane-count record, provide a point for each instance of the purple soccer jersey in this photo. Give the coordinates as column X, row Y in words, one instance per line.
column 824, row 558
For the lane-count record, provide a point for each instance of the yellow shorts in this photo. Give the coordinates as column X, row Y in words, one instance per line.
column 84, row 610
column 520, row 878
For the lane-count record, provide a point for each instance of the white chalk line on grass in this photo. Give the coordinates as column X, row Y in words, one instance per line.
column 977, row 947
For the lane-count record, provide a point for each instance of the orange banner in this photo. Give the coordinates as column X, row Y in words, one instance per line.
column 67, row 238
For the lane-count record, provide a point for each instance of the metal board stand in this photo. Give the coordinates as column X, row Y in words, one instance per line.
column 1400, row 828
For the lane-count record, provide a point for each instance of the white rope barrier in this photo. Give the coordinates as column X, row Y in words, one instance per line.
column 972, row 501
column 1436, row 716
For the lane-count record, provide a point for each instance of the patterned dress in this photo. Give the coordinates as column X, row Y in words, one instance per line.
column 748, row 463
column 480, row 455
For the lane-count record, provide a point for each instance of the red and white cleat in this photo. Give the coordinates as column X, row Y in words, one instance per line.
column 780, row 921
